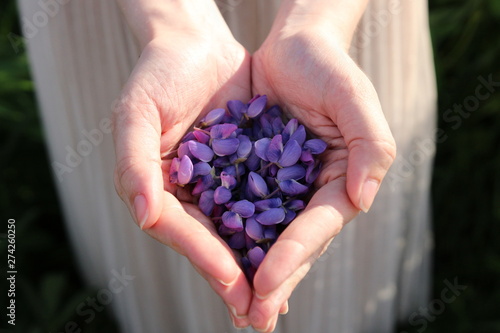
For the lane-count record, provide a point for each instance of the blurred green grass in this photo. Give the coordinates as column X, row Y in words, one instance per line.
column 466, row 186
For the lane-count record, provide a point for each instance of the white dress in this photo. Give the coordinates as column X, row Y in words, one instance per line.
column 377, row 270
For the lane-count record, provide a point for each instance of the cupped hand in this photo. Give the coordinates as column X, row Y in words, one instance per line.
column 311, row 75
column 177, row 80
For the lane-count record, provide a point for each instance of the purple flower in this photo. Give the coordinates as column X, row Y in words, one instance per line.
column 254, row 229
column 257, row 185
column 257, row 106
column 237, row 240
column 315, row 146
column 296, row 172
column 244, row 208
column 271, row 216
column 206, row 202
column 291, row 154
column 222, row 195
column 256, row 256
column 213, row 117
column 292, row 187
column 185, row 172
column 224, row 147
column 233, row 221
column 267, row 204
column 222, row 131
column 236, row 109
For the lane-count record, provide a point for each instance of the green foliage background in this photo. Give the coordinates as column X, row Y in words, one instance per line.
column 466, row 187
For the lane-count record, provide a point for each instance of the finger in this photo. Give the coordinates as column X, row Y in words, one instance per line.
column 304, row 239
column 365, row 130
column 138, row 174
column 264, row 311
column 193, row 235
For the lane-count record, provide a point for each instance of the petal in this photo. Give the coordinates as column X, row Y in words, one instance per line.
column 299, row 135
column 188, row 136
column 289, row 129
column 295, row 205
column 244, row 208
column 213, row 117
column 245, row 146
column 262, row 147
column 306, row 157
column 203, row 184
column 256, row 256
column 294, row 172
column 250, row 243
column 289, row 216
column 225, row 231
column 201, row 136
column 271, row 216
column 224, row 147
column 185, row 172
column 201, row 169
column 248, row 269
column 206, row 202
column 253, row 161
column 237, row 241
column 222, row 131
column 313, row 172
column 291, row 154
column 265, row 123
column 273, row 170
column 315, row 146
column 257, row 106
column 221, row 162
column 222, row 195
column 232, row 221
column 236, row 109
column 270, row 232
column 257, row 184
column 183, row 150
column 227, row 180
column 274, row 111
column 254, row 229
column 277, row 125
column 267, row 204
column 275, row 149
column 292, row 187
column 174, row 168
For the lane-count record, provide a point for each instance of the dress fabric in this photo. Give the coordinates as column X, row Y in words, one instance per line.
column 375, row 272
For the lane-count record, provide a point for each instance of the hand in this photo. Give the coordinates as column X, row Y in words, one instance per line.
column 176, row 81
column 310, row 73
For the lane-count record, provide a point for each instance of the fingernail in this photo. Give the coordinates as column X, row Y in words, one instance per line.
column 368, row 192
column 285, row 310
column 141, row 210
column 234, row 313
column 259, row 296
column 268, row 326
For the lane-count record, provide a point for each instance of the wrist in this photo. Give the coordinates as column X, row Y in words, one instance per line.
column 337, row 18
column 152, row 20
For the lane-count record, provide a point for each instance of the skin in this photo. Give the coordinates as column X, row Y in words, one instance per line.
column 190, row 64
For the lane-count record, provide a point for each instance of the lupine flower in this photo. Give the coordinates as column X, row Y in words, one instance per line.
column 250, row 171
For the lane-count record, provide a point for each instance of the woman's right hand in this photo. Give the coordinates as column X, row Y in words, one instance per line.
column 179, row 77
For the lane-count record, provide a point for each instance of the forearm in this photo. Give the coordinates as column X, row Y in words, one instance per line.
column 151, row 19
column 338, row 16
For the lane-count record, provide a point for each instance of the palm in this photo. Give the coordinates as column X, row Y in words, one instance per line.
column 319, row 84
column 172, row 86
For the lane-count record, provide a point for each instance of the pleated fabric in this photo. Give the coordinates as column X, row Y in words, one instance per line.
column 376, row 271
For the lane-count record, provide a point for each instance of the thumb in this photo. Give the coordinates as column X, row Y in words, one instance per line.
column 138, row 174
column 368, row 138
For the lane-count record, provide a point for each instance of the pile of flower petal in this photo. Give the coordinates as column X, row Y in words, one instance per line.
column 250, row 172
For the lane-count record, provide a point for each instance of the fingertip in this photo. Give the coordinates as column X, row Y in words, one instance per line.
column 368, row 193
